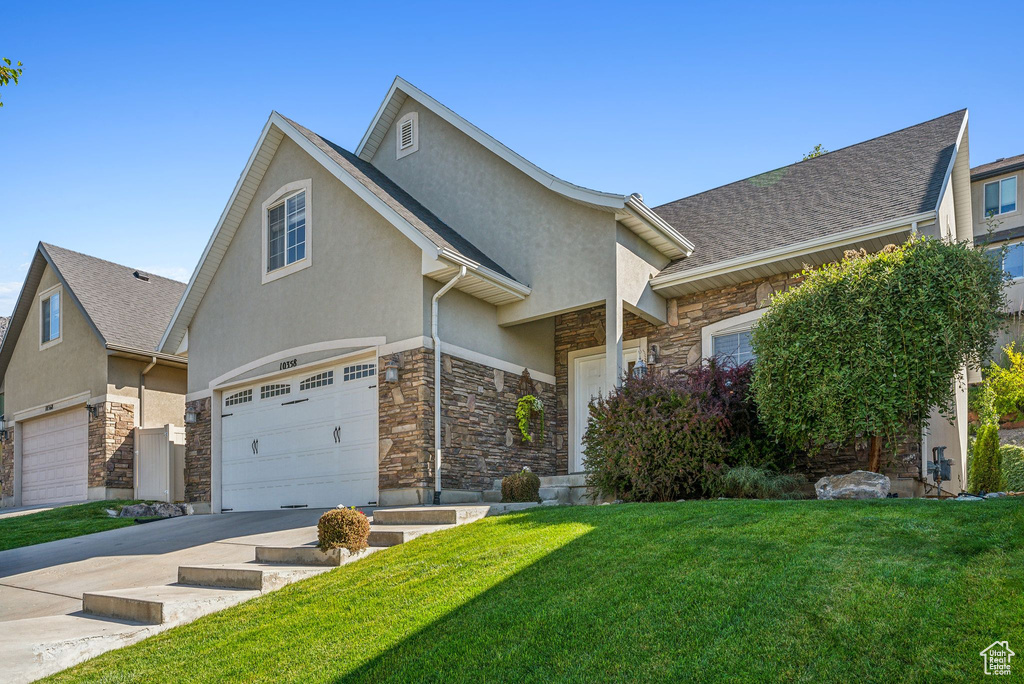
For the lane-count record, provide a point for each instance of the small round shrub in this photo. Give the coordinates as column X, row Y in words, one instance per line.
column 345, row 528
column 1013, row 466
column 522, row 486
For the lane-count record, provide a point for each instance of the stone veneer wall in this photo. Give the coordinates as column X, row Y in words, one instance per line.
column 679, row 346
column 480, row 434
column 112, row 446
column 7, row 465
column 198, row 453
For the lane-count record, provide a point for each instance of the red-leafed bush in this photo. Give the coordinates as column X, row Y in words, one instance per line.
column 664, row 436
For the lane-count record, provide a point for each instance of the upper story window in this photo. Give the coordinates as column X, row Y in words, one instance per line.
column 50, row 318
column 1013, row 259
column 287, row 231
column 1001, row 196
column 407, row 139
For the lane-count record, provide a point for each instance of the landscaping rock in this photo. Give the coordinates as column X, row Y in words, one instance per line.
column 968, row 497
column 860, row 484
column 158, row 510
column 994, row 495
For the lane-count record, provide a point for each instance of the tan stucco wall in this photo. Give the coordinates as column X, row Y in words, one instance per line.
column 563, row 250
column 364, row 281
column 165, row 389
column 78, row 364
column 471, row 323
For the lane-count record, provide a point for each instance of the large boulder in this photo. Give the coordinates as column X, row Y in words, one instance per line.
column 860, row 484
column 157, row 510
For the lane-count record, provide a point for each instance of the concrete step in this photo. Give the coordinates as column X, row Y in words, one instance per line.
column 492, row 496
column 308, row 554
column 157, row 605
column 393, row 535
column 428, row 515
column 556, row 493
column 253, row 576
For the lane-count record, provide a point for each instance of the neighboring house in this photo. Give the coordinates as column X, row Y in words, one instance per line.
column 79, row 372
column 308, row 321
column 999, row 223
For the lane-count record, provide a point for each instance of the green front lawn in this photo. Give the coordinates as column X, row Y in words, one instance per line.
column 810, row 591
column 60, row 523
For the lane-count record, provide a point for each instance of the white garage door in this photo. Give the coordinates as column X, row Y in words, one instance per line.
column 308, row 440
column 55, row 458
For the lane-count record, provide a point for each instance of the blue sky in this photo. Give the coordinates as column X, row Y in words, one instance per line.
column 133, row 121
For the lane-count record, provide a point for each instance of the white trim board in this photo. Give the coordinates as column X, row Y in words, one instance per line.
column 352, row 342
column 58, row 405
column 465, row 354
column 304, row 367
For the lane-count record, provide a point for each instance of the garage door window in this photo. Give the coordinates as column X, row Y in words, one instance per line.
column 243, row 397
column 360, row 370
column 318, row 380
column 268, row 391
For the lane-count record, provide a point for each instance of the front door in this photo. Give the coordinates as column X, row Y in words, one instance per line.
column 588, row 382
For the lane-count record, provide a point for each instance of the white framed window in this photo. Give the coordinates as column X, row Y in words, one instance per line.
column 728, row 340
column 1013, row 259
column 318, row 380
column 407, row 137
column 287, row 231
column 243, row 397
column 1001, row 196
column 359, row 370
column 51, row 317
column 275, row 390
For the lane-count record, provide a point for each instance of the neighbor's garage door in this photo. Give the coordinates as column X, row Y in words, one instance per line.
column 309, row 440
column 55, row 458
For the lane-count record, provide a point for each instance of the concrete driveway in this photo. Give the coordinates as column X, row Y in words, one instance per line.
column 49, row 579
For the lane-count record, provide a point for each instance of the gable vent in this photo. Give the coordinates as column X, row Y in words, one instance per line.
column 143, row 278
column 408, row 134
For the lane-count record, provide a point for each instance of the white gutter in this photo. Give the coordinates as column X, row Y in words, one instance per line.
column 437, row 381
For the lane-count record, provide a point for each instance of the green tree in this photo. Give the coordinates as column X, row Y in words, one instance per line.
column 986, row 464
column 816, row 152
column 9, row 72
column 867, row 346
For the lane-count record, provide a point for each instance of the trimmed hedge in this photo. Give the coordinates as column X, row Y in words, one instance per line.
column 343, row 528
column 521, row 486
column 985, row 474
column 1013, row 467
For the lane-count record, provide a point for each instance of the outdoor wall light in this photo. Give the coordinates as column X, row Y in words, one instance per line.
column 639, row 369
column 652, row 353
column 3, row 429
column 93, row 410
column 391, row 369
column 190, row 416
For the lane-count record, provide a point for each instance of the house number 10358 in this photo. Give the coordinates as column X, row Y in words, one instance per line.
column 285, row 365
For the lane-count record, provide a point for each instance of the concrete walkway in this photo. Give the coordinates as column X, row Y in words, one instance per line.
column 41, row 586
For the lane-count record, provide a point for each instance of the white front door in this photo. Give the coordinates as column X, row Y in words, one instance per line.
column 309, row 440
column 55, row 458
column 588, row 382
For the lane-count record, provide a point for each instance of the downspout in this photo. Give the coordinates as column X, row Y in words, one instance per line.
column 142, row 392
column 437, row 381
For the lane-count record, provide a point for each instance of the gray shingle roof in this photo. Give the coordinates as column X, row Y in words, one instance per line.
column 421, row 218
column 4, row 320
column 127, row 311
column 1004, row 165
column 889, row 177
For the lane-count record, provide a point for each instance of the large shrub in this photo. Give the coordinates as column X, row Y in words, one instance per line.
column 345, row 528
column 1011, row 457
column 662, row 436
column 868, row 346
column 1006, row 384
column 985, row 474
column 521, row 486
